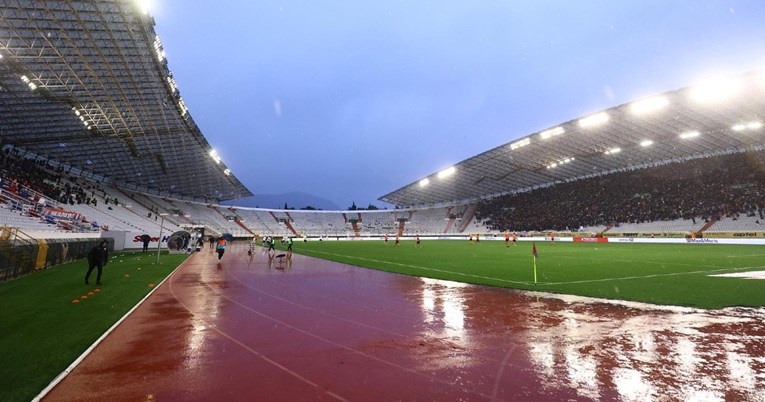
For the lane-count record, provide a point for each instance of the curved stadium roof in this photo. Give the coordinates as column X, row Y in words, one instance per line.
column 85, row 84
column 721, row 116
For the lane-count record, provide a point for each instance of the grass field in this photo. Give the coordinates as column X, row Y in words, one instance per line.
column 669, row 274
column 42, row 331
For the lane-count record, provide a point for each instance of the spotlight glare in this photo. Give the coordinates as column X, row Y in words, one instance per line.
column 715, row 90
column 649, row 104
column 215, row 156
column 424, row 182
column 551, row 132
column 593, row 120
column 646, row 143
column 519, row 144
column 689, row 134
column 144, row 6
column 446, row 172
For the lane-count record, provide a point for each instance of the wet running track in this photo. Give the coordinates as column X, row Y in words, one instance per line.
column 252, row 329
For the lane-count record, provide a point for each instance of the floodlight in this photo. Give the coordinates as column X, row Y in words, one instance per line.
column 25, row 79
column 32, row 86
column 144, row 6
column 521, row 143
column 689, row 134
column 646, row 143
column 715, row 89
column 424, row 182
column 752, row 125
column 227, row 172
column 552, row 132
column 215, row 156
column 594, row 120
column 446, row 172
column 649, row 104
column 613, row 151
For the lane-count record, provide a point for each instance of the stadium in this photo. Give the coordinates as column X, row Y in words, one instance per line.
column 615, row 256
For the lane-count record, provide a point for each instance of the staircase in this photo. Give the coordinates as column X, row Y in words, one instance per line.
column 707, row 226
column 291, row 228
column 241, row 225
column 467, row 217
column 289, row 224
column 356, row 229
column 449, row 225
column 603, row 233
column 273, row 215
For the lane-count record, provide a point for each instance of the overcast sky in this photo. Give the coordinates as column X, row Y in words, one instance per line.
column 349, row 100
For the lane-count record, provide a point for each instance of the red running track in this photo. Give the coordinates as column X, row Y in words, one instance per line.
column 248, row 329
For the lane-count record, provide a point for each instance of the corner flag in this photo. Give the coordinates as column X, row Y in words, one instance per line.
column 536, row 255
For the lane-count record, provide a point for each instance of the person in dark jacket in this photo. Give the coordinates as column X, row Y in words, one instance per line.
column 97, row 259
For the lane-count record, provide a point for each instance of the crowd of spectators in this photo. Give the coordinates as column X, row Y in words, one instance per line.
column 708, row 189
column 34, row 179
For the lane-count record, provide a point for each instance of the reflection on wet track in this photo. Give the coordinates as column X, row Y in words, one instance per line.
column 306, row 329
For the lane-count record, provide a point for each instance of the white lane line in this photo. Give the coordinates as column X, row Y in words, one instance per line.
column 98, row 341
column 329, row 341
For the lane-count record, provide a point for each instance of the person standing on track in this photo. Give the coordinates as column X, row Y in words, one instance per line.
column 220, row 247
column 253, row 246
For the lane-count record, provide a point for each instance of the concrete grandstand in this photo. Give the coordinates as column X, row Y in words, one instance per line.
column 97, row 141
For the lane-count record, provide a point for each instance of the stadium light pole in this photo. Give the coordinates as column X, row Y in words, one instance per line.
column 159, row 241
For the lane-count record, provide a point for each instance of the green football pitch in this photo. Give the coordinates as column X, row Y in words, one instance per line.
column 668, row 274
column 42, row 331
